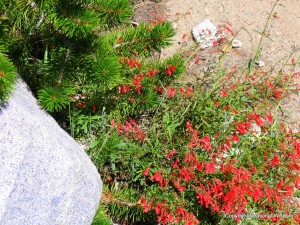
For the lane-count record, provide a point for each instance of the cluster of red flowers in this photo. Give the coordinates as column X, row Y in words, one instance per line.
column 231, row 192
column 133, row 63
column 137, row 82
column 130, row 130
column 204, row 142
column 187, row 92
column 170, row 70
column 152, row 73
column 158, row 20
column 123, row 89
column 171, row 92
column 165, row 215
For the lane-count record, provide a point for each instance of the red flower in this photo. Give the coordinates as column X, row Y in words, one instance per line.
column 293, row 60
column 205, row 142
column 123, row 89
column 216, row 103
column 257, row 119
column 297, row 182
column 278, row 94
column 223, row 92
column 146, row 206
column 189, row 126
column 158, row 178
column 185, row 174
column 94, row 108
column 175, row 164
column 243, row 127
column 194, row 142
column 80, row 105
column 235, row 138
column 113, row 123
column 188, row 91
column 170, row 70
column 178, row 186
column 226, row 107
column 146, row 172
column 159, row 89
column 210, row 168
column 133, row 63
column 170, row 154
column 269, row 117
column 137, row 82
column 171, row 92
column 275, row 161
column 152, row 73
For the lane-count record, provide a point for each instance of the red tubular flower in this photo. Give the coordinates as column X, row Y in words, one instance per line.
column 158, row 178
column 269, row 117
column 242, row 127
column 175, row 164
column 170, row 154
column 189, row 126
column 278, row 94
column 210, row 168
column 297, row 182
column 94, row 108
column 194, row 142
column 205, row 143
column 257, row 119
column 123, row 89
column 235, row 138
column 178, row 186
column 171, row 92
column 137, row 82
column 133, row 63
column 146, row 206
column 186, row 174
column 274, row 162
column 146, row 172
column 170, row 70
column 119, row 40
column 223, row 92
column 188, row 91
column 152, row 73
column 80, row 105
column 159, row 89
column 216, row 103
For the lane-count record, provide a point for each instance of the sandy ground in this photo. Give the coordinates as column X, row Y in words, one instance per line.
column 248, row 19
column 283, row 29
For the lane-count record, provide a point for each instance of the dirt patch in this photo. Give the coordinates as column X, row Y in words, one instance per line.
column 147, row 11
column 247, row 19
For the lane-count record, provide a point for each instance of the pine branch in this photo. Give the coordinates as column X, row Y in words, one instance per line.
column 8, row 78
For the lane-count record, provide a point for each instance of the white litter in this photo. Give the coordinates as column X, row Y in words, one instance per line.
column 236, row 43
column 205, row 33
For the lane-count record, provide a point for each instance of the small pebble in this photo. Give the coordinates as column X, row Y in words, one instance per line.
column 236, row 43
column 260, row 63
column 175, row 25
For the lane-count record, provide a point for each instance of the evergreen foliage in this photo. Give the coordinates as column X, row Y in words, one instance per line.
column 84, row 57
column 79, row 53
column 7, row 70
column 7, row 78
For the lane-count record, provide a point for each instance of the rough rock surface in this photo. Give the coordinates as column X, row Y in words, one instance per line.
column 46, row 177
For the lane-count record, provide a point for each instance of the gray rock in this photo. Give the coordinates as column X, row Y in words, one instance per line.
column 46, row 177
